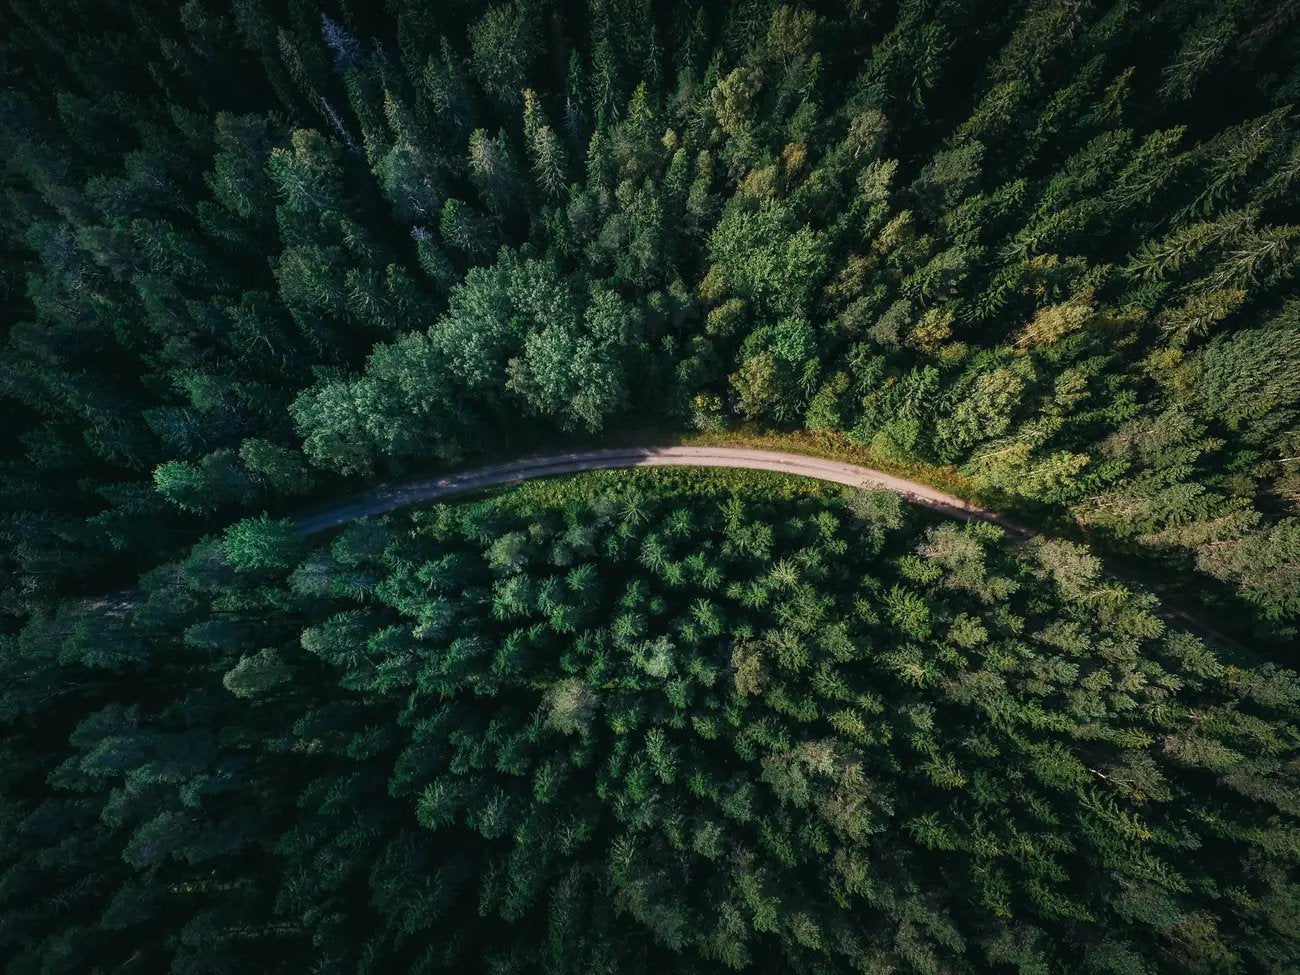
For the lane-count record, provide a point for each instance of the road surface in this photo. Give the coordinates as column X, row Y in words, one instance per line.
column 391, row 497
column 386, row 498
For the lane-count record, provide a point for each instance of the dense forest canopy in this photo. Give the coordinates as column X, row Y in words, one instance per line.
column 254, row 253
column 252, row 246
column 648, row 723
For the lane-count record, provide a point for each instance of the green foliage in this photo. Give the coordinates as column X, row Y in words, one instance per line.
column 256, row 676
column 248, row 250
column 762, row 720
column 992, row 239
column 260, row 543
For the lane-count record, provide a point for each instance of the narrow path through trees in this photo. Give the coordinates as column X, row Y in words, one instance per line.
column 388, row 498
column 392, row 497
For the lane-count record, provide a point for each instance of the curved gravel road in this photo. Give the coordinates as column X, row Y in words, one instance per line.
column 388, row 498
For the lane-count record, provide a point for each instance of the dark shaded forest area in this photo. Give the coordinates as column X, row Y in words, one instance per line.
column 255, row 253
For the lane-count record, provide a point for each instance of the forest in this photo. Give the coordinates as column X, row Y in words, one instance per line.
column 256, row 255
column 647, row 723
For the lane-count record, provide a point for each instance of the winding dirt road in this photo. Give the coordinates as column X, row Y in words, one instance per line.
column 389, row 498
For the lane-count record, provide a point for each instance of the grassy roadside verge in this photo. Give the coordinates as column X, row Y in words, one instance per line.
column 835, row 446
column 695, row 482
